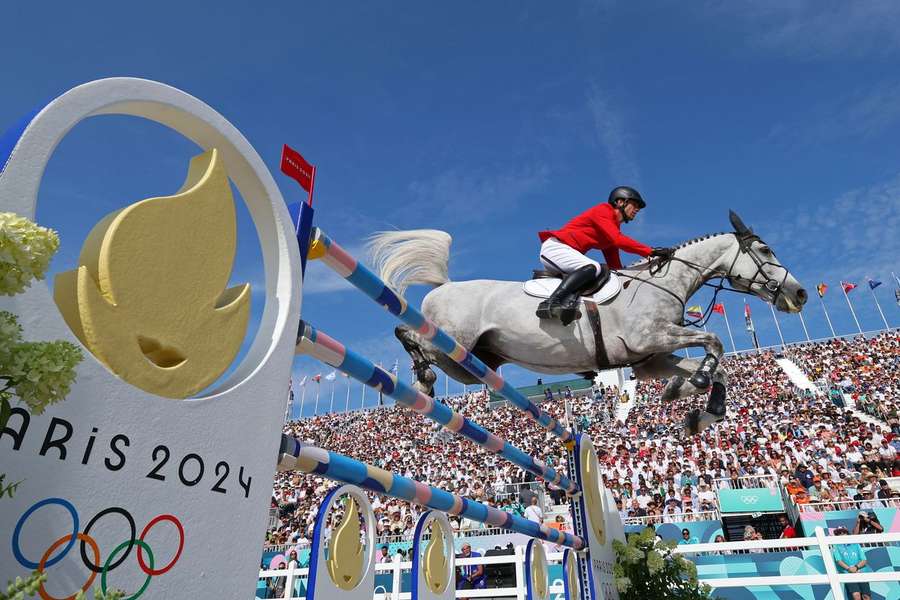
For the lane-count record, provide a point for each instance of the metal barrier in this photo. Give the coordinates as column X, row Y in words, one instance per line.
column 850, row 505
column 745, row 482
column 707, row 515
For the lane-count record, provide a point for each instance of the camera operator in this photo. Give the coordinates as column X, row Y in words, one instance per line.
column 867, row 523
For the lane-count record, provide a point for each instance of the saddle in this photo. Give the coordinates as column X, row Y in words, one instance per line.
column 605, row 288
column 545, row 281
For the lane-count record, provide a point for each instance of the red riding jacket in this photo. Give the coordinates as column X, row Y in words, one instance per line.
column 597, row 229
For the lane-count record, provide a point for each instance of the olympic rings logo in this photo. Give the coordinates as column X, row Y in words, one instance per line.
column 749, row 499
column 48, row 559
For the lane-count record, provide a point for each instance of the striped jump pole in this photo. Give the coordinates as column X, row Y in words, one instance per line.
column 297, row 456
column 321, row 346
column 342, row 263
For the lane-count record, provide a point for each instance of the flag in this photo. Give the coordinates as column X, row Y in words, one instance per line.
column 747, row 318
column 695, row 312
column 302, row 382
column 719, row 308
column 295, row 166
column 317, row 377
column 873, row 284
column 848, row 287
column 396, row 368
column 331, row 376
column 821, row 288
column 897, row 296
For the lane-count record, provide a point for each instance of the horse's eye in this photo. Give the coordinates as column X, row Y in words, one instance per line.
column 765, row 250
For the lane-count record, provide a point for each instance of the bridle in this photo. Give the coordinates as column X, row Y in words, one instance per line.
column 724, row 280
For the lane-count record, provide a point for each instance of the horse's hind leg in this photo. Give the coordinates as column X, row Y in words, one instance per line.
column 424, row 354
column 413, row 344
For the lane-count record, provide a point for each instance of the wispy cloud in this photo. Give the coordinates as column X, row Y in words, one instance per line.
column 849, row 237
column 815, row 29
column 863, row 113
column 612, row 134
column 461, row 196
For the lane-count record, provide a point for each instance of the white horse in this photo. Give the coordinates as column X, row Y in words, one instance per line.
column 641, row 327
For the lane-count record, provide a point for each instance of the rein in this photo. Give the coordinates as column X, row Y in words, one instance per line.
column 723, row 278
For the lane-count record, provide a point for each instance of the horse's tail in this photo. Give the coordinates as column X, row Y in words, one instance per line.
column 402, row 258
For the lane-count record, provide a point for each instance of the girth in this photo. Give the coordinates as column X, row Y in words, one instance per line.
column 600, row 356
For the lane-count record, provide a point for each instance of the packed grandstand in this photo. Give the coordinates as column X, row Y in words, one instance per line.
column 832, row 446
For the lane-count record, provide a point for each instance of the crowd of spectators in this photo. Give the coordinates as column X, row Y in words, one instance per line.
column 809, row 443
column 866, row 369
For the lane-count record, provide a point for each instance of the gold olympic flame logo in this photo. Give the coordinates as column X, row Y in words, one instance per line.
column 149, row 296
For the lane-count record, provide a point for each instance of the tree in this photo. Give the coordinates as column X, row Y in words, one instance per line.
column 38, row 374
column 648, row 568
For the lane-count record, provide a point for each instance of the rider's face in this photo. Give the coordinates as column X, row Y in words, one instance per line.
column 630, row 209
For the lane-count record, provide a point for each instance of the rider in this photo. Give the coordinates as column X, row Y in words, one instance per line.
column 597, row 228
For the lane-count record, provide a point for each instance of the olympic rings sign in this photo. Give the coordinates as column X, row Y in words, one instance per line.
column 68, row 541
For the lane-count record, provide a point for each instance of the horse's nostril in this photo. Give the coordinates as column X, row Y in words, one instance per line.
column 802, row 296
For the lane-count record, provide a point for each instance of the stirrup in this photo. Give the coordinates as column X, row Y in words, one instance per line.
column 568, row 314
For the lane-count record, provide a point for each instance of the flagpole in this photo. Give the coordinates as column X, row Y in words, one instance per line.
column 363, row 399
column 895, row 277
column 446, row 386
column 827, row 318
column 728, row 326
column 331, row 406
column 778, row 327
column 850, row 304
column 347, row 405
column 881, row 312
column 803, row 322
column 318, row 389
column 302, row 398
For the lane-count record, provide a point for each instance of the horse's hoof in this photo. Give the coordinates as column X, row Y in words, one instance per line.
column 700, row 380
column 692, row 422
column 697, row 421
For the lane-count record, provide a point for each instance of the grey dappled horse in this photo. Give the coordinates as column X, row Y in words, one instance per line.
column 641, row 327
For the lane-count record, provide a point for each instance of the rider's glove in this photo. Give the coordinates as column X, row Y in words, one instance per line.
column 662, row 252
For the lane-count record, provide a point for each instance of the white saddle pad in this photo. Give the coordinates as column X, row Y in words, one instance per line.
column 542, row 288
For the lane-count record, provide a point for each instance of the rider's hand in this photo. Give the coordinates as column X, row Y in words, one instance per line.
column 662, row 252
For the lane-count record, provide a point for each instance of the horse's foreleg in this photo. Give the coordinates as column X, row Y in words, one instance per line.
column 677, row 369
column 677, row 337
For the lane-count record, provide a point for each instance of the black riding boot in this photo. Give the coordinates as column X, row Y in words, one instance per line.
column 563, row 302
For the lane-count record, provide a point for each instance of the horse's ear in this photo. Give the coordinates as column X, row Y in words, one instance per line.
column 738, row 225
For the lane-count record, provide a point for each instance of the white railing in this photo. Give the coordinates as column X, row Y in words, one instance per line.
column 821, row 542
column 745, row 482
column 850, row 505
column 705, row 515
column 396, row 569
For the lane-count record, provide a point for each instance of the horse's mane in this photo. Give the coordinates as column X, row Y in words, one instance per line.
column 689, row 242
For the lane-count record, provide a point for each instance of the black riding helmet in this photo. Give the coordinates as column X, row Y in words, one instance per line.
column 626, row 193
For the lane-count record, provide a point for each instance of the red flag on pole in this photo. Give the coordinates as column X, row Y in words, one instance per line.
column 295, row 166
column 719, row 308
column 848, row 286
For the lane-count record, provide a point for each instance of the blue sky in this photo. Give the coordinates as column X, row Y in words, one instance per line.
column 495, row 120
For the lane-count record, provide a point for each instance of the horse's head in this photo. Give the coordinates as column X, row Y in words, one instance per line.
column 755, row 270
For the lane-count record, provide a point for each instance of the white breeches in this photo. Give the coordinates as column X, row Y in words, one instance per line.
column 556, row 255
